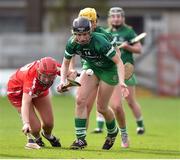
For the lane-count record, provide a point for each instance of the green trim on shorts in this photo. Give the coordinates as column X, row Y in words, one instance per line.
column 132, row 81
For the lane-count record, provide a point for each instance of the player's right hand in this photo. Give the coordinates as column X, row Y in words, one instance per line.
column 26, row 128
column 72, row 74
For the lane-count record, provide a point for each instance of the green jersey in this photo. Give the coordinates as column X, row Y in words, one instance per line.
column 97, row 55
column 106, row 34
column 98, row 52
column 124, row 33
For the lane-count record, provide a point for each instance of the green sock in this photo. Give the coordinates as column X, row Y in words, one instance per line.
column 100, row 124
column 140, row 123
column 111, row 127
column 80, row 126
column 123, row 130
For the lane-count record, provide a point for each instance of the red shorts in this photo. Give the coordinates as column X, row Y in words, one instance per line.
column 15, row 95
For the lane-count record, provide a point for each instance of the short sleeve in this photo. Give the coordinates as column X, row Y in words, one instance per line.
column 69, row 53
column 28, row 87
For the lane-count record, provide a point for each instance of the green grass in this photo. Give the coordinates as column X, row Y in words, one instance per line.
column 162, row 138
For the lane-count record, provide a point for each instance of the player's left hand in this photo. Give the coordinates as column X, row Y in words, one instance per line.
column 60, row 86
column 124, row 90
column 26, row 128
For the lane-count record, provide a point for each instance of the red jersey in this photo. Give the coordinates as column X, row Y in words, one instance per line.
column 25, row 80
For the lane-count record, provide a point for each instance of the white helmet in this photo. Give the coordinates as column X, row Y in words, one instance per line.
column 116, row 10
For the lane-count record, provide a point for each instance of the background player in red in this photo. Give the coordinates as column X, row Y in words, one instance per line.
column 28, row 91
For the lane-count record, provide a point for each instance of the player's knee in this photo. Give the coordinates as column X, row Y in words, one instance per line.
column 80, row 101
column 117, row 108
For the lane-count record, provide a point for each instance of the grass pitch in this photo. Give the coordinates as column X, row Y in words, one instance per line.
column 161, row 140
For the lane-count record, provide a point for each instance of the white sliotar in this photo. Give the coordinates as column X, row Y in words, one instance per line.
column 89, row 72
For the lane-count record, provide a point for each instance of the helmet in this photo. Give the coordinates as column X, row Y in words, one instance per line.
column 81, row 25
column 48, row 66
column 116, row 10
column 89, row 13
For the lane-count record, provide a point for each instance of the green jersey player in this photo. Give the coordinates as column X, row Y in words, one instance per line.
column 115, row 104
column 108, row 69
column 91, row 15
column 122, row 34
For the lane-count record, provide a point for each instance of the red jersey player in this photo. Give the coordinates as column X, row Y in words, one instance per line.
column 28, row 90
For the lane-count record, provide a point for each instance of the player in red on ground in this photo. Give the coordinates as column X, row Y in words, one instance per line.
column 28, row 91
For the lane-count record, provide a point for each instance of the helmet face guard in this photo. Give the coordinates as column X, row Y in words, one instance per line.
column 81, row 25
column 116, row 17
column 116, row 10
column 47, row 70
column 46, row 79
